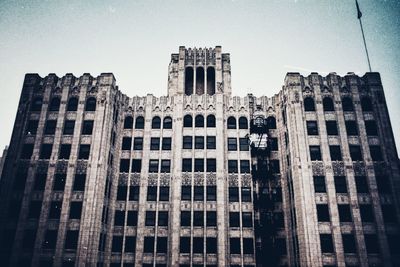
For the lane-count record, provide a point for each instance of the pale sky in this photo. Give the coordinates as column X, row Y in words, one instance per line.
column 134, row 40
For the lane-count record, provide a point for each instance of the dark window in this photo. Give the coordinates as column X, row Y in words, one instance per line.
column 150, row 218
column 75, row 210
column 211, row 165
column 184, row 246
column 280, row 244
column 165, row 165
column 319, row 184
column 45, row 151
column 340, row 184
column 351, row 128
column 20, row 180
column 187, row 121
column 279, row 220
column 335, row 152
column 376, row 153
column 371, row 243
column 122, row 192
column 211, row 142
column 72, row 104
column 166, row 143
column 211, row 193
column 232, row 144
column 69, row 127
column 185, row 218
column 273, row 143
column 27, row 151
column 84, row 151
column 167, row 124
column 55, row 210
column 37, row 104
column 124, row 165
column 366, row 104
column 132, row 218
column 126, row 143
column 79, row 182
column 198, row 218
column 344, row 213
column 130, row 244
column 312, row 128
column 355, row 153
column 243, row 124
column 328, row 105
column 198, row 193
column 199, row 121
column 231, row 122
column 50, row 127
column 139, row 123
column 187, row 142
column 31, row 127
column 138, row 143
column 234, row 219
column 40, row 181
column 366, row 212
column 119, row 218
column 393, row 241
column 234, row 244
column 34, row 209
column 186, row 192
column 199, row 165
column 198, row 244
column 156, row 123
column 232, row 166
column 65, row 151
column 151, row 193
column 163, row 218
column 349, row 243
column 116, row 244
column 383, row 184
column 233, row 194
column 128, row 122
column 371, row 128
column 148, row 244
column 162, row 246
column 248, row 246
column 331, row 128
column 211, row 245
column 271, row 122
column 186, row 165
column 153, row 165
column 155, row 143
column 347, row 104
column 50, row 239
column 244, row 166
column 54, row 104
column 211, row 217
column 244, row 144
column 309, row 104
column 389, row 213
column 362, row 184
column 59, row 181
column 247, row 219
column 199, row 142
column 90, row 104
column 87, row 127
column 326, row 243
column 164, row 193
column 211, row 121
column 315, row 153
column 134, row 193
column 323, row 213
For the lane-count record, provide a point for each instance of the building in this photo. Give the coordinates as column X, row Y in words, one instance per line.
column 96, row 178
column 2, row 159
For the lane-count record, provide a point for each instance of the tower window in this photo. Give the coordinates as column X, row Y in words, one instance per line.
column 199, row 142
column 323, row 213
column 84, row 151
column 126, row 143
column 134, row 193
column 211, row 245
column 232, row 144
column 326, row 243
column 244, row 166
column 349, row 243
column 69, row 127
column 211, row 142
column 128, row 122
column 371, row 128
column 243, row 124
column 234, row 219
column 335, row 152
column 233, row 194
column 156, row 123
column 166, row 143
column 344, row 213
column 198, row 193
column 232, row 166
column 153, row 165
column 37, row 104
column 45, row 151
column 211, row 121
column 312, row 128
column 164, row 193
column 231, row 122
column 271, row 122
column 72, row 104
column 155, row 143
column 366, row 104
column 50, row 239
column 27, row 151
column 54, row 104
column 366, row 212
column 31, row 127
column 210, row 81
column 319, row 184
column 167, row 124
column 340, row 184
column 150, row 218
column 136, row 165
column 138, row 143
column 361, row 184
column 50, row 127
column 211, row 193
column 184, row 246
column 139, row 124
column 119, row 218
column 247, row 219
column 328, row 105
column 199, row 165
column 355, row 153
column 309, row 104
column 199, row 121
column 187, row 142
column 371, row 243
column 331, row 128
column 248, row 246
column 185, row 218
column 315, row 153
column 189, row 81
column 211, row 165
column 186, row 193
column 351, row 128
column 130, row 244
column 234, row 244
column 90, row 104
column 244, row 144
column 186, row 165
column 87, row 127
column 165, row 166
column 187, row 121
column 79, row 182
column 163, row 218
column 200, row 80
column 347, row 104
column 65, row 151
column 198, row 218
column 376, row 153
column 148, row 244
column 162, row 244
column 59, row 181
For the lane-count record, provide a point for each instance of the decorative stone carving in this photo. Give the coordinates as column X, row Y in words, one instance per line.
column 186, row 178
column 81, row 166
column 338, row 168
column 211, row 179
column 318, row 169
column 123, row 179
column 233, row 180
column 62, row 166
column 359, row 168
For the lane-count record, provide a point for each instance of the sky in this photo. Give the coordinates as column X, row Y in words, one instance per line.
column 134, row 40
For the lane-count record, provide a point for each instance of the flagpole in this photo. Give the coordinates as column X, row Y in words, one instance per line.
column 359, row 15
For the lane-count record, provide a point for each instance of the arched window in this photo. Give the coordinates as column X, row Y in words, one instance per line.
column 347, row 104
column 271, row 122
column 243, row 123
column 128, row 122
column 139, row 124
column 54, row 104
column 309, row 104
column 187, row 121
column 327, row 103
column 211, row 121
column 189, row 81
column 72, row 104
column 156, row 123
column 231, row 123
column 366, row 104
column 199, row 121
column 167, row 123
column 200, row 80
column 210, row 81
column 37, row 104
column 90, row 104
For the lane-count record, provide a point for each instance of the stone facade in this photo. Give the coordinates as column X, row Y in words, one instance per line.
column 96, row 178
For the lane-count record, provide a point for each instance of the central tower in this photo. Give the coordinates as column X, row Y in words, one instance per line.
column 199, row 71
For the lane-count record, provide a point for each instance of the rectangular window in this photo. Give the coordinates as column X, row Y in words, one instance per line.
column 211, row 217
column 248, row 246
column 185, row 218
column 40, row 181
column 79, row 182
column 27, row 151
column 162, row 245
column 65, row 151
column 130, row 244
column 244, row 166
column 134, row 192
column 132, row 218
column 315, row 153
column 59, row 181
column 50, row 239
column 119, row 218
column 186, row 165
column 122, row 192
column 198, row 218
column 344, row 213
column 323, row 213
column 126, row 143
column 211, row 193
column 84, row 151
column 31, row 127
column 45, row 151
column 371, row 243
column 376, row 153
column 371, row 128
column 71, row 239
column 116, row 245
column 232, row 144
column 362, row 184
column 335, row 152
column 388, row 213
column 124, row 165
column 355, row 153
column 319, row 184
column 312, row 128
column 198, row 193
column 138, row 143
column 184, row 244
column 55, row 210
column 383, row 184
column 243, row 144
column 367, row 214
column 165, row 166
column 234, row 245
column 164, row 193
column 186, row 192
column 155, row 143
column 151, row 193
column 153, row 165
column 50, row 127
column 247, row 219
column 211, row 142
column 166, row 143
column 148, row 244
column 233, row 194
column 234, row 219
column 199, row 142
column 351, row 128
column 163, row 218
column 211, row 165
column 87, row 127
column 331, row 128
column 326, row 243
column 211, row 245
column 246, row 194
column 340, row 184
column 198, row 244
column 349, row 243
column 69, row 127
column 199, row 165
column 136, row 165
column 232, row 166
column 34, row 209
column 150, row 218
column 187, row 142
column 273, row 144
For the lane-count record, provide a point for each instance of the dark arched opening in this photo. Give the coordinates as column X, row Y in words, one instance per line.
column 54, row 104
column 37, row 104
column 139, row 124
column 243, row 124
column 231, row 123
column 199, row 121
column 200, row 81
column 327, row 103
column 210, row 80
column 366, row 104
column 189, row 81
column 211, row 121
column 156, row 123
column 128, row 122
column 90, row 104
column 72, row 104
column 271, row 122
column 167, row 123
column 309, row 104
column 187, row 121
column 347, row 104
